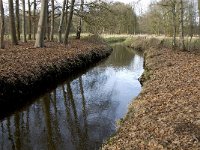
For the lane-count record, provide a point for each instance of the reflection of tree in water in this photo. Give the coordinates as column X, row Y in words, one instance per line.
column 77, row 115
column 55, row 118
column 17, row 131
column 47, row 117
column 92, row 124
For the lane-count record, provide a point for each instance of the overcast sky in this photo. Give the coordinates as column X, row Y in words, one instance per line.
column 141, row 6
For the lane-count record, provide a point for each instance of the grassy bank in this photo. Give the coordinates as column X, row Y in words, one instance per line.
column 166, row 113
column 143, row 42
column 25, row 70
column 114, row 38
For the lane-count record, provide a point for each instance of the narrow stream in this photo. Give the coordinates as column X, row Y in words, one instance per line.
column 79, row 114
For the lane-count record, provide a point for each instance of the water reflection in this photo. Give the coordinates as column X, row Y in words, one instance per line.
column 79, row 114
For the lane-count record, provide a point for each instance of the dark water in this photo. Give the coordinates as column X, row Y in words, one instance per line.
column 79, row 114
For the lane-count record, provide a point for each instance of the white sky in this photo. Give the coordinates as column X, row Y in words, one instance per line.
column 141, row 5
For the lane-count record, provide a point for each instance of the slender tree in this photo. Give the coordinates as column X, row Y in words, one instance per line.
column 199, row 15
column 47, row 31
column 34, row 18
column 182, row 44
column 79, row 28
column 29, row 20
column 39, row 42
column 2, row 27
column 66, row 12
column 173, row 6
column 69, row 22
column 17, row 19
column 23, row 21
column 12, row 23
column 52, row 20
column 61, row 22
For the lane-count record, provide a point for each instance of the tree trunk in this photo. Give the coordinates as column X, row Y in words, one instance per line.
column 69, row 22
column 135, row 24
column 12, row 23
column 174, row 24
column 61, row 22
column 79, row 28
column 66, row 12
column 34, row 20
column 47, row 31
column 23, row 21
column 29, row 20
column 17, row 19
column 41, row 24
column 182, row 44
column 2, row 27
column 52, row 21
column 199, row 15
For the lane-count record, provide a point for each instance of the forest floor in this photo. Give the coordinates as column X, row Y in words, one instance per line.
column 24, row 69
column 166, row 115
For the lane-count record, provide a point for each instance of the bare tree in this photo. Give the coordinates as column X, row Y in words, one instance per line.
column 23, row 21
column 2, row 27
column 182, row 44
column 12, row 23
column 69, row 22
column 47, row 31
column 61, row 22
column 79, row 28
column 29, row 20
column 39, row 42
column 66, row 12
column 173, row 6
column 34, row 18
column 17, row 19
column 52, row 21
column 199, row 15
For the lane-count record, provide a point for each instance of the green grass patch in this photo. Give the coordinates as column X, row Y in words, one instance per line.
column 115, row 39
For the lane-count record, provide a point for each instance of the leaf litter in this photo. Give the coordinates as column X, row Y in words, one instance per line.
column 23, row 65
column 166, row 115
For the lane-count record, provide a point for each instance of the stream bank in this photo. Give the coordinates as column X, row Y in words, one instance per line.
column 26, row 70
column 166, row 114
column 79, row 113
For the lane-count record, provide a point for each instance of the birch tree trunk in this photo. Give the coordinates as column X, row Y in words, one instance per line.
column 2, row 27
column 12, row 23
column 17, row 19
column 23, row 21
column 61, row 22
column 69, row 22
column 39, row 42
column 52, row 21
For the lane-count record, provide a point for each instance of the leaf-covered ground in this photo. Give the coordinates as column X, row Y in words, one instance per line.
column 24, row 59
column 23, row 67
column 166, row 115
